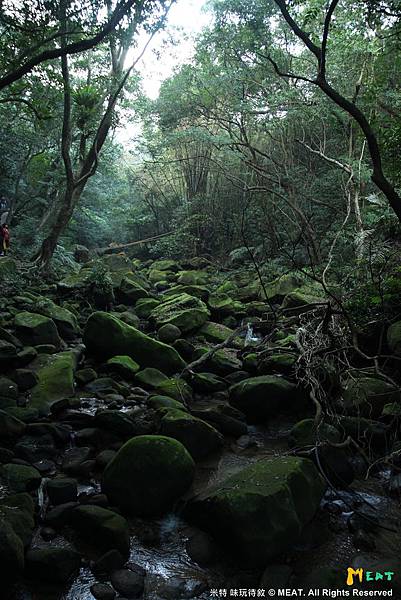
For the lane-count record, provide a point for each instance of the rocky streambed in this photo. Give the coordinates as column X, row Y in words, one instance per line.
column 126, row 473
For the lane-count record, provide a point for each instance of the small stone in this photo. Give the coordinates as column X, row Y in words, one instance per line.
column 48, row 533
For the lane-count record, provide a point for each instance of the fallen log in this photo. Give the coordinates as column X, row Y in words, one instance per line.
column 111, row 249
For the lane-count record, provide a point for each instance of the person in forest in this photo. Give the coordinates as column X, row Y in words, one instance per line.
column 4, row 239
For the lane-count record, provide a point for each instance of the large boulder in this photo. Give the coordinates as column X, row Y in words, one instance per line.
column 65, row 320
column 16, row 527
column 261, row 511
column 260, row 398
column 19, row 478
column 148, row 474
column 106, row 336
column 184, row 311
column 55, row 382
column 198, row 437
column 34, row 329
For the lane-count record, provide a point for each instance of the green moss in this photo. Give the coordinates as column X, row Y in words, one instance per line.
column 175, row 388
column 158, row 402
column 198, row 437
column 56, row 382
column 148, row 474
column 144, row 307
column 106, row 336
column 152, row 378
column 184, row 311
column 124, row 366
column 304, row 433
column 262, row 397
column 35, row 329
column 19, row 478
column 261, row 511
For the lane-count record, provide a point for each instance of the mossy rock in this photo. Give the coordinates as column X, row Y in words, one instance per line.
column 216, row 333
column 8, row 392
column 199, row 291
column 151, row 378
column 148, row 474
column 198, row 437
column 56, row 382
column 302, row 297
column 156, row 276
column 115, row 422
column 222, row 305
column 184, row 311
column 19, row 511
column 280, row 287
column 169, row 333
column 367, row 396
column 176, row 388
column 66, row 322
column 207, row 383
column 193, row 277
column 392, row 410
column 260, row 398
column 166, row 265
column 130, row 291
column 223, row 362
column 101, row 528
column 144, row 307
column 305, row 433
column 157, row 402
column 123, row 366
column 24, row 414
column 106, row 336
column 19, row 478
column 394, row 338
column 10, row 426
column 116, row 262
column 277, row 363
column 34, row 329
column 261, row 511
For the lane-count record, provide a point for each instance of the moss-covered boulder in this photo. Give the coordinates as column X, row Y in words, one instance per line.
column 19, row 478
column 123, row 366
column 261, row 511
column 151, row 378
column 55, row 382
column 157, row 402
column 193, row 277
column 66, row 322
column 303, row 297
column 8, row 392
column 16, row 527
column 199, row 291
column 10, row 426
column 305, row 433
column 102, row 528
column 394, row 338
column 8, row 353
column 52, row 564
column 144, row 307
column 148, row 474
column 198, row 437
column 367, row 396
column 116, row 422
column 166, row 265
column 175, row 387
column 131, row 290
column 281, row 286
column 169, row 333
column 156, row 276
column 106, row 336
column 216, row 333
column 260, row 398
column 34, row 329
column 207, row 383
column 277, row 363
column 184, row 311
column 223, row 305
